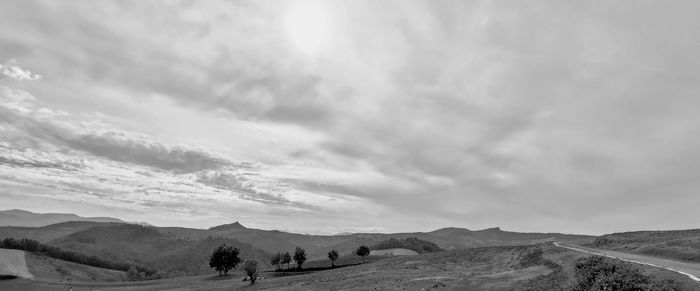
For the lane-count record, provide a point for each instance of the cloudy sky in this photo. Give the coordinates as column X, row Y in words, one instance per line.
column 336, row 116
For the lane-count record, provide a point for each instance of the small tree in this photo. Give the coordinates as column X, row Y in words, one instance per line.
column 333, row 255
column 362, row 251
column 286, row 259
column 250, row 269
column 276, row 259
column 299, row 256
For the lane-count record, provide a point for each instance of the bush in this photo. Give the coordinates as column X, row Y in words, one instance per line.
column 250, row 269
column 601, row 273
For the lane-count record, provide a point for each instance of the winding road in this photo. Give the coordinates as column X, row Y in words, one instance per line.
column 689, row 269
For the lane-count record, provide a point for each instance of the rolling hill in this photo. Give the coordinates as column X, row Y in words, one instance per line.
column 50, row 232
column 147, row 246
column 17, row 217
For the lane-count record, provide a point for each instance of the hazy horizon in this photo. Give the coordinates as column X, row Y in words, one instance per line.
column 354, row 116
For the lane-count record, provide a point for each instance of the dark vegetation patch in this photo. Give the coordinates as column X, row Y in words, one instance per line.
column 601, row 273
column 324, row 265
column 415, row 244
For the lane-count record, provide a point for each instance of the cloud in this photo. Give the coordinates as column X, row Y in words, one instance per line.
column 238, row 183
column 492, row 113
column 17, row 73
column 120, row 146
column 100, row 139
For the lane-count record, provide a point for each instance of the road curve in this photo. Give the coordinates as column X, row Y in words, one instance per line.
column 689, row 269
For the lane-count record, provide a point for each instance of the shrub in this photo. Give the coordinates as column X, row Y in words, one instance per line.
column 250, row 269
column 601, row 273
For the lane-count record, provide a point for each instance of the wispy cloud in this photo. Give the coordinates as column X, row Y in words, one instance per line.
column 12, row 71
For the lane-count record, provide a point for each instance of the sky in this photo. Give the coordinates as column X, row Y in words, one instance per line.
column 354, row 116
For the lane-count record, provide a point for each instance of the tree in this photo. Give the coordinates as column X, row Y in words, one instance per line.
column 224, row 258
column 286, row 259
column 250, row 269
column 276, row 260
column 333, row 255
column 362, row 251
column 300, row 256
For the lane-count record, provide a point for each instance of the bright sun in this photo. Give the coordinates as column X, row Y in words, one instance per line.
column 307, row 26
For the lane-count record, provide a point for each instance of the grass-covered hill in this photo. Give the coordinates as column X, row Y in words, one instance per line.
column 418, row 245
column 673, row 244
column 49, row 232
column 147, row 246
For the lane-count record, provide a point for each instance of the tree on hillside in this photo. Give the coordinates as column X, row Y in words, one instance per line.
column 286, row 259
column 299, row 256
column 276, row 260
column 333, row 255
column 250, row 269
column 362, row 251
column 224, row 258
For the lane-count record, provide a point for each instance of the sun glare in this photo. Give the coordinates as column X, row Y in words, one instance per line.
column 307, row 26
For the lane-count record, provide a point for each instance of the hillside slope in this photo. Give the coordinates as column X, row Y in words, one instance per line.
column 683, row 245
column 50, row 232
column 147, row 246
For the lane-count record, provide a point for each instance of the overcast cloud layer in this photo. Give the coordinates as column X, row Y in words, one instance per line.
column 567, row 116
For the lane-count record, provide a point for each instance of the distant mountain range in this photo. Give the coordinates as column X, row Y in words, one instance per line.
column 17, row 217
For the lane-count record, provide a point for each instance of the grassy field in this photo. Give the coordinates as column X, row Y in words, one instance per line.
column 13, row 264
column 536, row 267
column 50, row 269
column 393, row 252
